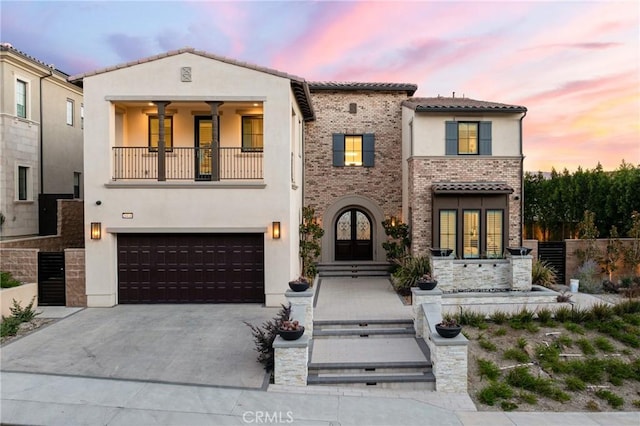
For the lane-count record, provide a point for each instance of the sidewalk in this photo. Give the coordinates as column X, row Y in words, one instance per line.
column 39, row 399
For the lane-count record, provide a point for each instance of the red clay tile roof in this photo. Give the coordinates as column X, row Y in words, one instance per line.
column 471, row 188
column 442, row 104
column 352, row 85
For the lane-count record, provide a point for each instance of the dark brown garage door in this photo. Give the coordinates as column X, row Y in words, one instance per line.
column 190, row 268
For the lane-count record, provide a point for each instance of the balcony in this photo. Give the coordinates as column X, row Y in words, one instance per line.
column 188, row 163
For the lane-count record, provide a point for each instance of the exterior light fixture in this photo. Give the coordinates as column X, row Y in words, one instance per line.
column 96, row 230
column 275, row 230
column 393, row 221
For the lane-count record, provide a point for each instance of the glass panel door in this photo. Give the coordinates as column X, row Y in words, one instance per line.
column 204, row 136
column 448, row 236
column 494, row 233
column 353, row 236
column 471, row 234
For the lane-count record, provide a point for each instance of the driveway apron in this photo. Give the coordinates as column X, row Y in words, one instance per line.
column 191, row 344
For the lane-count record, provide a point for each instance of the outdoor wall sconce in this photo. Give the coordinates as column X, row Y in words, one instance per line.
column 393, row 221
column 275, row 230
column 96, row 230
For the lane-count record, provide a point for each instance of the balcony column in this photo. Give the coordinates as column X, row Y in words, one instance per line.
column 162, row 174
column 215, row 140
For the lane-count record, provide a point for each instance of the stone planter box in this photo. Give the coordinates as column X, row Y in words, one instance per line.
column 22, row 294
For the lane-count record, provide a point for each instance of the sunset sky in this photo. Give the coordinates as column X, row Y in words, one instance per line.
column 574, row 65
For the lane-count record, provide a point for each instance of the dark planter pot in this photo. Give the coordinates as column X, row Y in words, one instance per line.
column 427, row 285
column 518, row 251
column 298, row 286
column 448, row 332
column 440, row 252
column 291, row 334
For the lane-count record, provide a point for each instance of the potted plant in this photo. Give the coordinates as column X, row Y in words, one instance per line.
column 440, row 252
column 427, row 282
column 449, row 327
column 290, row 330
column 299, row 284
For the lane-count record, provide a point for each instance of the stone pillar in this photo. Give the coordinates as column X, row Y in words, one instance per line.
column 74, row 270
column 442, row 270
column 418, row 297
column 302, row 308
column 521, row 272
column 291, row 361
column 449, row 357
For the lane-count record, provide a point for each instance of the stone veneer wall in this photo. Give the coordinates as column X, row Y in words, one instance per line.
column 424, row 171
column 75, row 277
column 22, row 263
column 379, row 113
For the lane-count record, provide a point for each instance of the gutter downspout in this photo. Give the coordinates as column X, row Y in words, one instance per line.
column 522, row 225
column 42, row 134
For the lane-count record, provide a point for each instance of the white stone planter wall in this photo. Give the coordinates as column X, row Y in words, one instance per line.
column 22, row 294
column 454, row 275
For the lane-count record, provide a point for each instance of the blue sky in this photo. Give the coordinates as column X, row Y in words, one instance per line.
column 575, row 65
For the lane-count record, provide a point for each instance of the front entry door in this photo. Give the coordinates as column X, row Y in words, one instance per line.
column 204, row 136
column 353, row 236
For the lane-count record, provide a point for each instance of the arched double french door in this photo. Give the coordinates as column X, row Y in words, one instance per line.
column 353, row 234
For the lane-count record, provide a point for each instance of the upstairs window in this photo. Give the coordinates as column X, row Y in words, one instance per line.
column 353, row 150
column 468, row 138
column 21, row 99
column 23, row 183
column 76, row 185
column 252, row 133
column 154, row 133
column 69, row 112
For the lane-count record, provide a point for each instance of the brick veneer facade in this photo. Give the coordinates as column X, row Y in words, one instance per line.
column 75, row 277
column 22, row 263
column 379, row 113
column 424, row 171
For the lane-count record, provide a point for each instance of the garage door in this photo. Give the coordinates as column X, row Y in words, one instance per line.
column 190, row 268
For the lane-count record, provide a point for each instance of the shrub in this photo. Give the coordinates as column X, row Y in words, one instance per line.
column 515, row 354
column 487, row 345
column 563, row 314
column 527, row 397
column 264, row 336
column 545, row 316
column 612, row 399
column 9, row 326
column 604, row 344
column 589, row 277
column 488, row 369
column 474, row 319
column 494, row 391
column 542, row 273
column 25, row 314
column 508, row 406
column 499, row 317
column 574, row 328
column 501, row 331
column 564, row 342
column 586, row 347
column 520, row 377
column 521, row 342
column 575, row 384
column 7, row 280
column 590, row 370
column 409, row 270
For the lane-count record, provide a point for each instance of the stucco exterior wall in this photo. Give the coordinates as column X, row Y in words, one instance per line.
column 376, row 188
column 189, row 206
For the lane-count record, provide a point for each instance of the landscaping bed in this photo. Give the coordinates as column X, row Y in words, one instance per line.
column 581, row 360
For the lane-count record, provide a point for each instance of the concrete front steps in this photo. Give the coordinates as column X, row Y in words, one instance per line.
column 377, row 353
column 354, row 269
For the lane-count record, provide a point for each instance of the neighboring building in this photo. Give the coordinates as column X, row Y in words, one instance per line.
column 198, row 167
column 40, row 139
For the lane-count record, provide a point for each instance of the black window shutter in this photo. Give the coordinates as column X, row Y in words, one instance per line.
column 368, row 150
column 451, row 138
column 338, row 149
column 484, row 147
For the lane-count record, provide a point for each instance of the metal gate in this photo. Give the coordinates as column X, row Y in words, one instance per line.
column 554, row 253
column 51, row 283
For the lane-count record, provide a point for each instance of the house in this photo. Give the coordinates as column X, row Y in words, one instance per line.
column 41, row 141
column 198, row 167
column 194, row 170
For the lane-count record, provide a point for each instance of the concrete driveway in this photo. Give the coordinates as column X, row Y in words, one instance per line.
column 190, row 344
